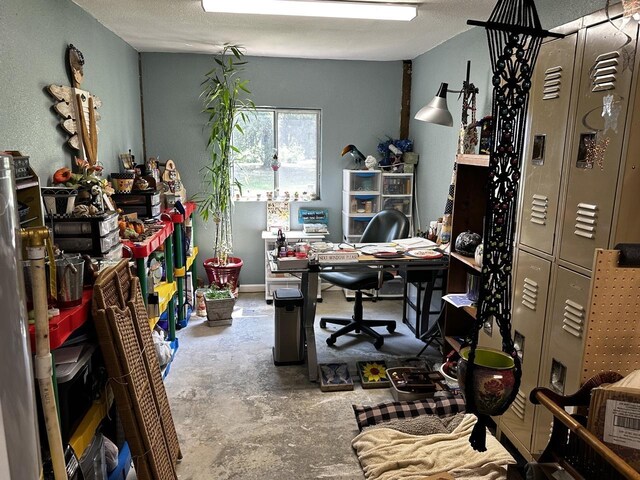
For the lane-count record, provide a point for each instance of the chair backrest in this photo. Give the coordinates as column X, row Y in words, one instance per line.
column 385, row 226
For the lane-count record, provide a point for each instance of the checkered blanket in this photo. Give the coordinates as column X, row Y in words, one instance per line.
column 443, row 403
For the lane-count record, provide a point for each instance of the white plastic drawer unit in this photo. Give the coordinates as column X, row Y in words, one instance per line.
column 401, row 203
column 361, row 181
column 354, row 225
column 363, row 204
column 397, row 184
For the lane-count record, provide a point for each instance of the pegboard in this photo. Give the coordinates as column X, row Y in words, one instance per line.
column 613, row 336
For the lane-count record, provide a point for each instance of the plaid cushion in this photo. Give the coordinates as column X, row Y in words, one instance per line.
column 442, row 404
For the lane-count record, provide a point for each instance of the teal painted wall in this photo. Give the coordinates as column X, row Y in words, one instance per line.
column 33, row 36
column 360, row 103
column 447, row 63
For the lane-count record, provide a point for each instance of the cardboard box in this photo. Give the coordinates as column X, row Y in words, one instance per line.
column 614, row 417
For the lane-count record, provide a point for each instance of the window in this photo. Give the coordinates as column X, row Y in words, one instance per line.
column 278, row 153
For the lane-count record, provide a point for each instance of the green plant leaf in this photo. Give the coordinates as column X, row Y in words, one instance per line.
column 224, row 96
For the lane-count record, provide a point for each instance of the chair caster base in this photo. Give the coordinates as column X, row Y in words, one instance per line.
column 331, row 340
column 378, row 343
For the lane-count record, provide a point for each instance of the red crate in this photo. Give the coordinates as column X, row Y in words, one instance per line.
column 63, row 325
column 150, row 245
column 176, row 217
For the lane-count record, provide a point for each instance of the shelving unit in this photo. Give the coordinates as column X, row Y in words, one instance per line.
column 182, row 262
column 141, row 251
column 366, row 192
column 28, row 194
column 63, row 325
column 397, row 192
column 272, row 281
column 166, row 291
column 469, row 207
column 83, row 436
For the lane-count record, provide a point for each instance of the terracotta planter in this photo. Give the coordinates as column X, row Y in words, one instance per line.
column 494, row 379
column 226, row 275
column 219, row 311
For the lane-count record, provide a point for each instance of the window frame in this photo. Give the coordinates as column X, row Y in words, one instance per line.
column 287, row 110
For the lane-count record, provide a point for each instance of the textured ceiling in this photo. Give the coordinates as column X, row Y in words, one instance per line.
column 182, row 26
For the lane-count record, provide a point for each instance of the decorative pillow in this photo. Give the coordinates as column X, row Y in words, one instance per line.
column 422, row 425
column 442, row 404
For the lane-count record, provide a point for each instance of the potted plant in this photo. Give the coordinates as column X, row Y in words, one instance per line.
column 225, row 100
column 219, row 303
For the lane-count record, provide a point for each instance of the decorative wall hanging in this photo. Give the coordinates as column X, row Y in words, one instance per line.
column 515, row 35
column 78, row 109
column 278, row 216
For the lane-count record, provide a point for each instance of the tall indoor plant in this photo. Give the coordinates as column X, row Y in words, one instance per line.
column 225, row 100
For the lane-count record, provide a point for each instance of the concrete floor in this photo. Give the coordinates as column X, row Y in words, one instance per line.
column 240, row 417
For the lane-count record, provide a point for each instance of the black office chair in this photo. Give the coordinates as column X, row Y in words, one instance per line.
column 385, row 226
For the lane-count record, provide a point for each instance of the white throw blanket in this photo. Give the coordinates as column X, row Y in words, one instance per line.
column 387, row 454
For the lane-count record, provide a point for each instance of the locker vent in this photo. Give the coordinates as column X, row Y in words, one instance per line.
column 552, row 83
column 573, row 318
column 530, row 294
column 539, row 208
column 586, row 220
column 604, row 72
column 519, row 405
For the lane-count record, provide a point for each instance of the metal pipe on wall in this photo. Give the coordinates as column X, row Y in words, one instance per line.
column 18, row 420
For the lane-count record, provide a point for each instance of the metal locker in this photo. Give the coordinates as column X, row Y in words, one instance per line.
column 531, row 285
column 597, row 140
column 549, row 117
column 562, row 360
column 489, row 335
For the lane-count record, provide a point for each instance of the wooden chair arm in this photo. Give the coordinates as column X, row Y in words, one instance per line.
column 581, row 397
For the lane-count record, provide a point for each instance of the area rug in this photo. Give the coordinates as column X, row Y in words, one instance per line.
column 389, row 454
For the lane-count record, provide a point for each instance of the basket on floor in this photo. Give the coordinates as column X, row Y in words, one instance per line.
column 224, row 275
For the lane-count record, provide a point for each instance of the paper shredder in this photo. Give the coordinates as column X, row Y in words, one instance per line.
column 289, row 335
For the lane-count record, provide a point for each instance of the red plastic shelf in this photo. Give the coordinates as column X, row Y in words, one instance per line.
column 63, row 325
column 151, row 244
column 176, row 217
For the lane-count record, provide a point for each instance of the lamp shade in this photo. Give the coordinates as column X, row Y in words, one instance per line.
column 436, row 110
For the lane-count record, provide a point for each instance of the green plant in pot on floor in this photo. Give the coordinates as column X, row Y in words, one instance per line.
column 219, row 302
column 225, row 98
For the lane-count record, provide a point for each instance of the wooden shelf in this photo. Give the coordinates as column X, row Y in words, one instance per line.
column 469, row 261
column 474, row 160
column 455, row 344
column 469, row 209
column 472, row 311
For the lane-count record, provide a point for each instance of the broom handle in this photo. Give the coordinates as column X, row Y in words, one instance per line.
column 43, row 371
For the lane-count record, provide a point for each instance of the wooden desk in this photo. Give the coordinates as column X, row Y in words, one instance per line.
column 309, row 285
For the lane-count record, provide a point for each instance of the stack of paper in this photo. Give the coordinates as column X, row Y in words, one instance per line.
column 415, row 242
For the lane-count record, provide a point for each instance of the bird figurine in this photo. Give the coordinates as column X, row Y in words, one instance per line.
column 357, row 155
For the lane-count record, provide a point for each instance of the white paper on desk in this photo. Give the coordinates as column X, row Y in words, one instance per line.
column 458, row 300
column 415, row 242
column 382, row 248
column 68, row 354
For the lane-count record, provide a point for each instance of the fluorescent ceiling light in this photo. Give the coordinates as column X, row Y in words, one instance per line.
column 308, row 8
